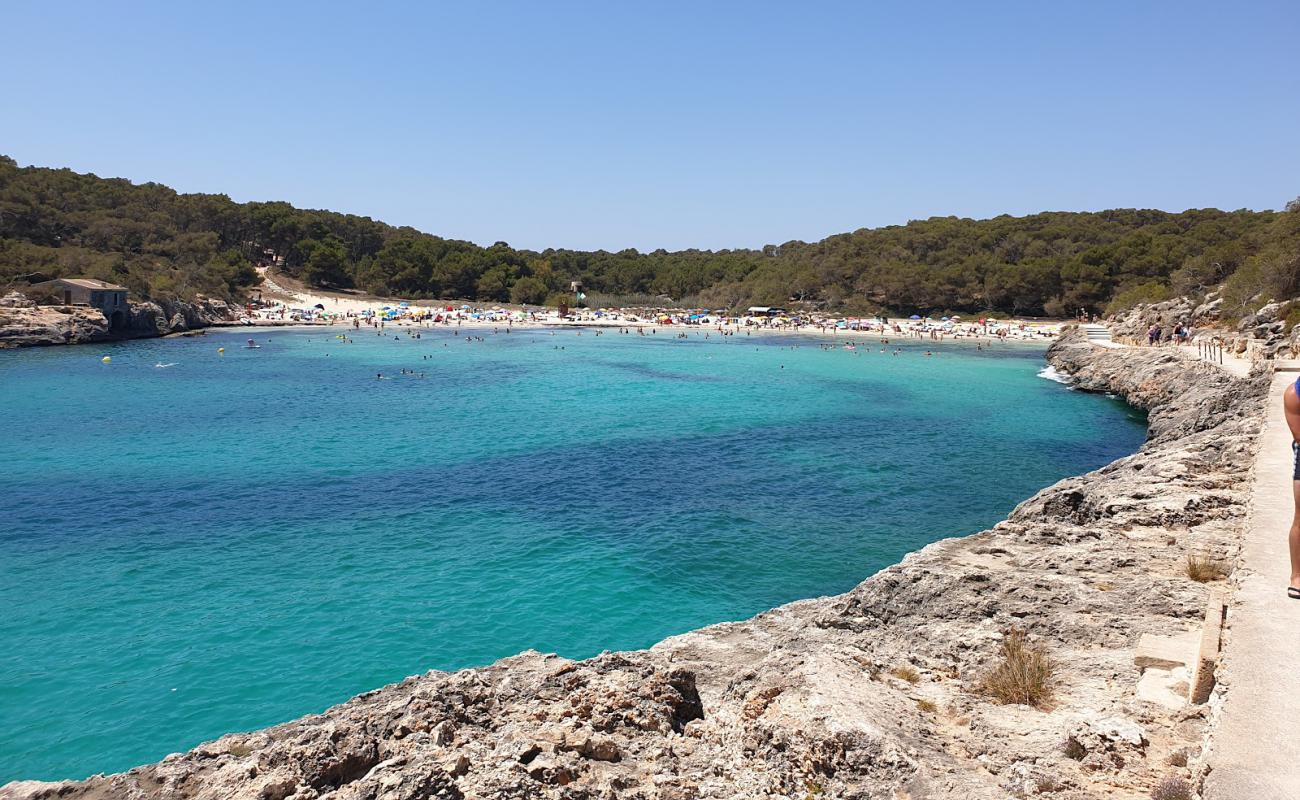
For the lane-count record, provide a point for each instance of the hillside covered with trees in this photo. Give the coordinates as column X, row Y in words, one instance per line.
column 157, row 242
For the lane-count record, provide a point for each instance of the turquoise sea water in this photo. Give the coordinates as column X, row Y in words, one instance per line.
column 236, row 540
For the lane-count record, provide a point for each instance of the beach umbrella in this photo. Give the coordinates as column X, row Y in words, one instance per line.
column 915, row 316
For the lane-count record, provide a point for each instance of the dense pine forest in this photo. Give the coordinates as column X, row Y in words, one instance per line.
column 157, row 242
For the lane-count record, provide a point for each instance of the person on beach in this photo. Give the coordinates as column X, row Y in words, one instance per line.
column 1291, row 407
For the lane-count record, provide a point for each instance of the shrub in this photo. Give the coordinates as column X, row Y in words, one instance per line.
column 1024, row 675
column 1290, row 314
column 1204, row 569
column 528, row 291
column 926, row 706
column 557, row 299
column 1146, row 292
column 907, row 673
column 1172, row 789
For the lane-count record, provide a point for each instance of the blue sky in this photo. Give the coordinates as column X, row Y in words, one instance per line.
column 696, row 124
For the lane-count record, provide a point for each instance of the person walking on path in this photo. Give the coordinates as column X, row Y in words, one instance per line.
column 1291, row 406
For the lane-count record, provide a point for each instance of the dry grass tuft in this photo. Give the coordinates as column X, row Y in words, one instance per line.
column 907, row 672
column 1172, row 789
column 926, row 706
column 1024, row 675
column 1204, row 569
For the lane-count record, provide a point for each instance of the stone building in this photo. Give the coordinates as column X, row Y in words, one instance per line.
column 107, row 297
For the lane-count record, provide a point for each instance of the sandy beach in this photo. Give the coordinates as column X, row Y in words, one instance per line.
column 342, row 308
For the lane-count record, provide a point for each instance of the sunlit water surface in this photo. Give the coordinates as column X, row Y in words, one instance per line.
column 238, row 539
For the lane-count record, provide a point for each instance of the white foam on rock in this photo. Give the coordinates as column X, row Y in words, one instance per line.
column 1052, row 374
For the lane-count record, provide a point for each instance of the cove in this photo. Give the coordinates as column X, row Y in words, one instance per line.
column 238, row 539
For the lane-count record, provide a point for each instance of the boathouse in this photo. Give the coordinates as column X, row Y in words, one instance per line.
column 107, row 297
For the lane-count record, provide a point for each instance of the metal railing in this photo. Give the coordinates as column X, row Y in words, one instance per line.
column 1211, row 351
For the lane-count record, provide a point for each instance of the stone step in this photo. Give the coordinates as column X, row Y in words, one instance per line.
column 1167, row 652
column 1179, row 669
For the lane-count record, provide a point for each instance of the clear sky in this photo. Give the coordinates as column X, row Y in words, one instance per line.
column 695, row 124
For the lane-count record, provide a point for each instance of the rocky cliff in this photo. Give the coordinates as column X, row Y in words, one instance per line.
column 25, row 324
column 1270, row 329
column 878, row 693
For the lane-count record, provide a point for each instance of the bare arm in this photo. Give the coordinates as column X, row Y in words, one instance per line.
column 1291, row 405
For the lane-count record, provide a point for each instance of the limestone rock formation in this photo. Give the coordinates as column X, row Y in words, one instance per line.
column 873, row 694
column 1266, row 329
column 28, row 325
column 25, row 324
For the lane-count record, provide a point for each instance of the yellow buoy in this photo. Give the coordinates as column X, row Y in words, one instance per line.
column 221, row 349
column 106, row 359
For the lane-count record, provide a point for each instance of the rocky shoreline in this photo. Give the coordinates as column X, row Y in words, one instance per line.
column 876, row 693
column 25, row 324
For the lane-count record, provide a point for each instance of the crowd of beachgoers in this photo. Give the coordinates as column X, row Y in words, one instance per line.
column 355, row 313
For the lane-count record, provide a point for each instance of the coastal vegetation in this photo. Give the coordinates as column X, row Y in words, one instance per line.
column 908, row 673
column 161, row 243
column 1204, row 569
column 1023, row 674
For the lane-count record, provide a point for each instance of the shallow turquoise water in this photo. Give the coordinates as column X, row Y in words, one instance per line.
column 236, row 540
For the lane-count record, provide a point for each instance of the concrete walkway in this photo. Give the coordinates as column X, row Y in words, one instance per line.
column 1255, row 750
column 1099, row 335
column 1232, row 363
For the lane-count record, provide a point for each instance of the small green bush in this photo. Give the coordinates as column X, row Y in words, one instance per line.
column 1145, row 292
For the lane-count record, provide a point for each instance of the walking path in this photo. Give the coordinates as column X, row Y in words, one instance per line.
column 1255, row 749
column 1256, row 746
column 1232, row 363
column 1099, row 335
